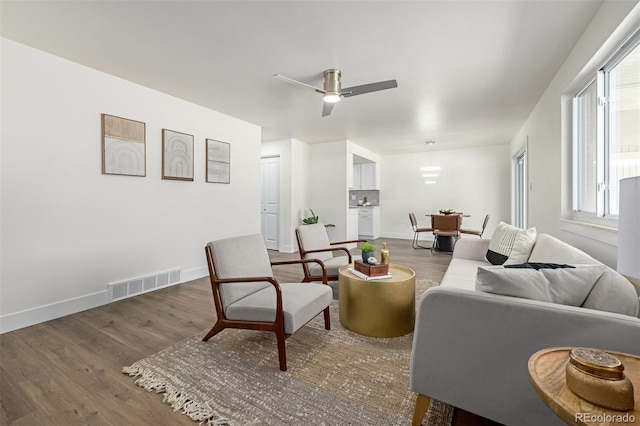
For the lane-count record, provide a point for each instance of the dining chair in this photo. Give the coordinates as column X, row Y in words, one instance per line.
column 416, row 231
column 246, row 295
column 313, row 243
column 446, row 230
column 474, row 231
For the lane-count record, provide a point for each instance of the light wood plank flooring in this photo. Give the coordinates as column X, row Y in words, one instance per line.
column 68, row 371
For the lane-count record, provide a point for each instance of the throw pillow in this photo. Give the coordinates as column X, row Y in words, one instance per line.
column 538, row 265
column 567, row 286
column 510, row 244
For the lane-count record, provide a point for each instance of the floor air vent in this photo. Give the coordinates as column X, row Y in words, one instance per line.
column 139, row 285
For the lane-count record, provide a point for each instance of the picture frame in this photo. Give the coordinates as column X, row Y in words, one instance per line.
column 123, row 146
column 177, row 155
column 218, row 168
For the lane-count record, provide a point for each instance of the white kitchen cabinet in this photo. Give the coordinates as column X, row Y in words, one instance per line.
column 368, row 176
column 369, row 222
column 364, row 176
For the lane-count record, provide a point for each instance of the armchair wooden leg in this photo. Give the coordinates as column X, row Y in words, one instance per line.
column 217, row 328
column 421, row 409
column 327, row 319
column 282, row 352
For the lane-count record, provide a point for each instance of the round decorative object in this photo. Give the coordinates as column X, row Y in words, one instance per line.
column 597, row 363
column 372, row 260
column 599, row 378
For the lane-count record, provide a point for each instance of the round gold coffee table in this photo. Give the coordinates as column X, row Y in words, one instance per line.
column 378, row 308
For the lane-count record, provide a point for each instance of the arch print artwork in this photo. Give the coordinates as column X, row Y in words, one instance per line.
column 177, row 155
column 123, row 146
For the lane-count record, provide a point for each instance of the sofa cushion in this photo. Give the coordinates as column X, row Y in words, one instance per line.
column 564, row 285
column 510, row 244
column 461, row 273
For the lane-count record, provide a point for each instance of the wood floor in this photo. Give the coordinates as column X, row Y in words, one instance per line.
column 68, row 371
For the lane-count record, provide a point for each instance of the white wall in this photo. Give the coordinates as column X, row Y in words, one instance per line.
column 294, row 180
column 548, row 129
column 67, row 229
column 475, row 181
column 328, row 193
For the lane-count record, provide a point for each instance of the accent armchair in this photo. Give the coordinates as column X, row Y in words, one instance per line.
column 313, row 243
column 246, row 295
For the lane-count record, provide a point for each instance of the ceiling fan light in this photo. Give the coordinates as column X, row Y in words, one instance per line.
column 332, row 97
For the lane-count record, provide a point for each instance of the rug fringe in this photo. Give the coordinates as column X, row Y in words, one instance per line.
column 177, row 399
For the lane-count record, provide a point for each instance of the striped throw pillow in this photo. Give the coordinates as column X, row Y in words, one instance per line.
column 510, row 245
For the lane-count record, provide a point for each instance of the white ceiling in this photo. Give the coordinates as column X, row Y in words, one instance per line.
column 468, row 72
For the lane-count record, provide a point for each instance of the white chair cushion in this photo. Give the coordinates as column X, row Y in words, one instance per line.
column 237, row 257
column 300, row 303
column 315, row 237
column 332, row 265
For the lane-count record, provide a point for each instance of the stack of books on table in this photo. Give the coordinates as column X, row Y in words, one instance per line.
column 369, row 272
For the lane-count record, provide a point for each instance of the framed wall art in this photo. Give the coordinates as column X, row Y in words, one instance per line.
column 218, row 161
column 177, row 155
column 123, row 146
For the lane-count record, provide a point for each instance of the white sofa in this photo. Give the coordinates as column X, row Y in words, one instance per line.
column 471, row 348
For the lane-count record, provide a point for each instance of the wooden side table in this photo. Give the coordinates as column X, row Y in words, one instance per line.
column 547, row 373
column 378, row 308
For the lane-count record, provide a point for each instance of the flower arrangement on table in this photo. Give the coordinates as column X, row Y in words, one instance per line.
column 447, row 211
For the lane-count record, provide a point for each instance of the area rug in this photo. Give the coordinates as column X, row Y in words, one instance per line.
column 334, row 377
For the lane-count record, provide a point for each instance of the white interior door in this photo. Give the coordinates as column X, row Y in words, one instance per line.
column 270, row 201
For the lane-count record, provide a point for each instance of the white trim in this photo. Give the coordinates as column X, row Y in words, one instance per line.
column 44, row 313
column 193, row 274
column 286, row 248
column 28, row 317
column 599, row 233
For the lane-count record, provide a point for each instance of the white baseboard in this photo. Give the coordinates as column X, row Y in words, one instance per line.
column 194, row 274
column 44, row 313
column 32, row 316
column 288, row 249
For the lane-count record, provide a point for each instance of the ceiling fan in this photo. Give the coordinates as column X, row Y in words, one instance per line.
column 332, row 91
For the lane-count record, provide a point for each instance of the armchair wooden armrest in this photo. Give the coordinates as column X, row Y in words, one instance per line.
column 344, row 249
column 348, row 242
column 318, row 261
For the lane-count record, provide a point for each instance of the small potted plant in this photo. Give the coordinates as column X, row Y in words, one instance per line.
column 367, row 251
column 313, row 219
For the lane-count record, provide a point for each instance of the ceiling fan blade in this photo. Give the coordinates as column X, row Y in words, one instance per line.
column 298, row 83
column 368, row 88
column 326, row 108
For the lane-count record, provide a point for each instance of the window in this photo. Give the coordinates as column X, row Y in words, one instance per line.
column 606, row 124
